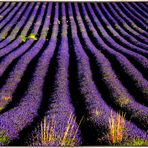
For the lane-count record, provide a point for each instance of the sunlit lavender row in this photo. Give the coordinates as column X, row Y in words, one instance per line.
column 73, row 74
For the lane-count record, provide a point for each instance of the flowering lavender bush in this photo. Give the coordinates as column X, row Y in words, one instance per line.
column 73, row 74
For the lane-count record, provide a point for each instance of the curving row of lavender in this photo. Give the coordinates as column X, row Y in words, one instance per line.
column 84, row 59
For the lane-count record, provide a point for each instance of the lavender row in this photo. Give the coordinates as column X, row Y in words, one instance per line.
column 129, row 69
column 139, row 58
column 46, row 23
column 132, row 19
column 6, row 27
column 21, row 49
column 140, row 14
column 133, row 29
column 8, row 16
column 15, row 30
column 122, row 32
column 113, row 32
column 27, row 109
column 20, row 23
column 16, row 42
column 97, row 110
column 14, row 11
column 136, row 15
column 60, row 107
column 127, row 23
column 15, row 76
column 13, row 121
column 119, row 93
column 91, row 98
column 29, row 23
column 142, row 6
column 139, row 11
column 7, row 11
column 3, row 7
column 40, row 17
column 13, row 55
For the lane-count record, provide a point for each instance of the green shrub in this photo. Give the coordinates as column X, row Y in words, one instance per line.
column 3, row 138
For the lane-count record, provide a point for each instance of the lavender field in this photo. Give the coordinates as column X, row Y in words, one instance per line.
column 73, row 74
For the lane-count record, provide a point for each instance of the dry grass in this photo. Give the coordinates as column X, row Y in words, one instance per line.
column 7, row 98
column 3, row 138
column 4, row 101
column 136, row 142
column 49, row 137
column 47, row 133
column 124, row 101
column 116, row 128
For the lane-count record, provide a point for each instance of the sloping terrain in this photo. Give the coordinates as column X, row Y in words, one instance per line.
column 73, row 74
